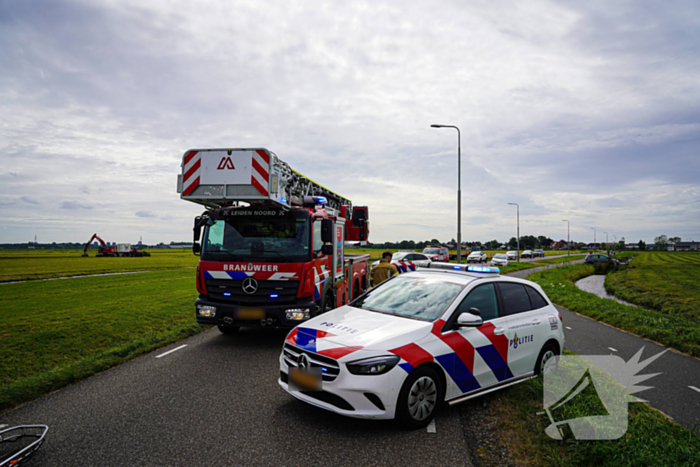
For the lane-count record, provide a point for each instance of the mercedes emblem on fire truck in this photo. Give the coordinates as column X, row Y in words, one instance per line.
column 250, row 285
column 303, row 362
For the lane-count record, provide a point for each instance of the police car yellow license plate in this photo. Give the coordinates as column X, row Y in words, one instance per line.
column 250, row 313
column 305, row 380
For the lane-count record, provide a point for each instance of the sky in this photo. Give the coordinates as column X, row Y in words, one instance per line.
column 585, row 111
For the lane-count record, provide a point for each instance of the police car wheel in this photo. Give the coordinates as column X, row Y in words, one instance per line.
column 419, row 398
column 547, row 353
column 228, row 329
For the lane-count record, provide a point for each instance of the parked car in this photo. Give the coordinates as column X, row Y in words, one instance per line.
column 538, row 253
column 512, row 255
column 526, row 254
column 437, row 253
column 407, row 260
column 598, row 258
column 499, row 259
column 477, row 257
column 419, row 339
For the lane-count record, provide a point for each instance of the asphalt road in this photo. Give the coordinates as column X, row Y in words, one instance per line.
column 217, row 402
column 675, row 391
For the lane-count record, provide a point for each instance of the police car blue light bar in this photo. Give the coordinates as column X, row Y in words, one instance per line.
column 464, row 268
column 484, row 269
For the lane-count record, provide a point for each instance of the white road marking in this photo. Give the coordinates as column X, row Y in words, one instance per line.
column 431, row 426
column 694, row 388
column 171, row 351
column 567, row 327
column 614, row 350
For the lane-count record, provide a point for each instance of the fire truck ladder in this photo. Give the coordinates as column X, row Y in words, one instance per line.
column 298, row 186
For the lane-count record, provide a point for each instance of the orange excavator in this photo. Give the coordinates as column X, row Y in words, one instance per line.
column 122, row 249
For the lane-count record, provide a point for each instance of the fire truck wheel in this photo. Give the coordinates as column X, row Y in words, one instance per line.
column 228, row 329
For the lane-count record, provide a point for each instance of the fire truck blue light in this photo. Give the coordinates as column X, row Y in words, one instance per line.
column 274, row 295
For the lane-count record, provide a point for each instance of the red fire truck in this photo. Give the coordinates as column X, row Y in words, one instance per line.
column 271, row 241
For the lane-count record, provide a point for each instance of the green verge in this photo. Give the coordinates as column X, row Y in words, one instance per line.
column 54, row 333
column 651, row 438
column 681, row 332
column 668, row 282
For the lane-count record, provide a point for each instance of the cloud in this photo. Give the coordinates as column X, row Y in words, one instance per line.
column 73, row 205
column 29, row 200
column 572, row 110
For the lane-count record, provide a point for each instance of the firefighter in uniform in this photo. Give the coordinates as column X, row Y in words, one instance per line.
column 383, row 270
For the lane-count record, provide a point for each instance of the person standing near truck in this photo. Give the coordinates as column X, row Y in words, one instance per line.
column 383, row 270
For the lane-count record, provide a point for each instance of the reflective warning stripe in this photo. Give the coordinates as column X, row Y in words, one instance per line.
column 259, row 175
column 192, row 168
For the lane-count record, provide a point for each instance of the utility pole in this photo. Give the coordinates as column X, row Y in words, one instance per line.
column 518, row 239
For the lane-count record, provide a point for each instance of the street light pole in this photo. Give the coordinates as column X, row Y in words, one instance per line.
column 568, row 242
column 518, row 239
column 594, row 239
column 459, row 189
column 606, row 241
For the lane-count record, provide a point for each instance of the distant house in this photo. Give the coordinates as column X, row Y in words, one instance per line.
column 631, row 246
column 593, row 246
column 686, row 246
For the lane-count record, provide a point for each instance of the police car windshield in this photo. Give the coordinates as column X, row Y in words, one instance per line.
column 252, row 236
column 412, row 296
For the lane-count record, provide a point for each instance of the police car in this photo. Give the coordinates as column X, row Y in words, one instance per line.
column 442, row 333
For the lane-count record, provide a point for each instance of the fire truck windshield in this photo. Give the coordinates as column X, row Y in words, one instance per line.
column 281, row 237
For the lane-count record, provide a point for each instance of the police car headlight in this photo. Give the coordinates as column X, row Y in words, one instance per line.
column 206, row 311
column 373, row 366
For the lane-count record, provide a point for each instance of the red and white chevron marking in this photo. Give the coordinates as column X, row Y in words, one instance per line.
column 190, row 179
column 260, row 173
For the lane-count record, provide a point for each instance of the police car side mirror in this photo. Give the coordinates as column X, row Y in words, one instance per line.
column 469, row 320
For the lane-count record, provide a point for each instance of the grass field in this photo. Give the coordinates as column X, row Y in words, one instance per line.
column 668, row 282
column 56, row 332
column 680, row 330
column 48, row 264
